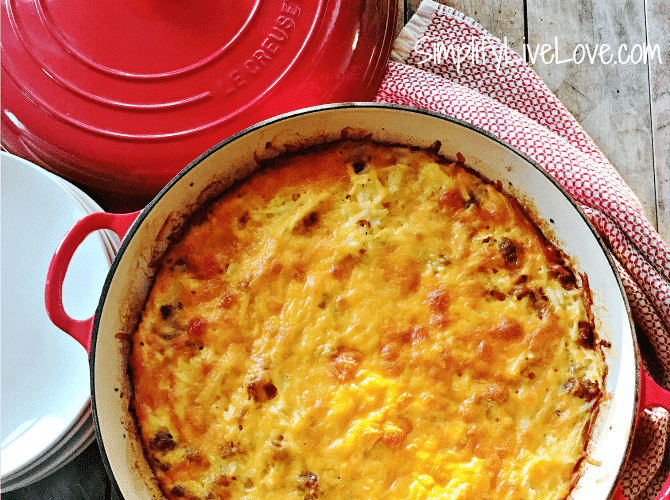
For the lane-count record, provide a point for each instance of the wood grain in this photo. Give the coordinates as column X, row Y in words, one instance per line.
column 658, row 32
column 610, row 101
column 501, row 18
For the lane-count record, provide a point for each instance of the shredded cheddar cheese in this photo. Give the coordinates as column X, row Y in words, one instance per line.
column 363, row 321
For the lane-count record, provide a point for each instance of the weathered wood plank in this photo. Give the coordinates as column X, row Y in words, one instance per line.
column 611, row 101
column 501, row 18
column 401, row 16
column 658, row 32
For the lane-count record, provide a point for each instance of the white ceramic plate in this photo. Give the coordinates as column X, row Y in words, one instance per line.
column 67, row 449
column 44, row 372
column 50, row 455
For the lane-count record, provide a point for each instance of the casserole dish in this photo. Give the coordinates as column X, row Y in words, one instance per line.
column 146, row 235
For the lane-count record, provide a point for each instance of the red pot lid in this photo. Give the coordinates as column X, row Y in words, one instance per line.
column 119, row 95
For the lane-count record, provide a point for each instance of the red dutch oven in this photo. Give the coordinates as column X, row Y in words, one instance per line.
column 145, row 237
column 119, row 95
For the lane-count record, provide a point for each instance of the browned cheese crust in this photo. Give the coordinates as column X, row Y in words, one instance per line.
column 371, row 322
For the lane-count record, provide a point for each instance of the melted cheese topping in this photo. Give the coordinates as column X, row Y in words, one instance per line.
column 365, row 322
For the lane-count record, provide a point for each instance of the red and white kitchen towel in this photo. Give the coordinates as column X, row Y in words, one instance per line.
column 444, row 61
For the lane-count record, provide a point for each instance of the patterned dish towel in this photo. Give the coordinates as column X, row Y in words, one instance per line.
column 484, row 84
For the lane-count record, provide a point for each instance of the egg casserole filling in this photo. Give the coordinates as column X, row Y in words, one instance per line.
column 364, row 321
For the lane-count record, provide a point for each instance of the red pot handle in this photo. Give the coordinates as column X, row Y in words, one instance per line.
column 651, row 395
column 80, row 330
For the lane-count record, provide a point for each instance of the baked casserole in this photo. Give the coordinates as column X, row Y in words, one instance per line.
column 366, row 321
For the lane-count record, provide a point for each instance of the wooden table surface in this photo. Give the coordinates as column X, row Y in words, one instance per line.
column 625, row 108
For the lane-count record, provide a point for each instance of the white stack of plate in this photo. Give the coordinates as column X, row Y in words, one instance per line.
column 46, row 406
